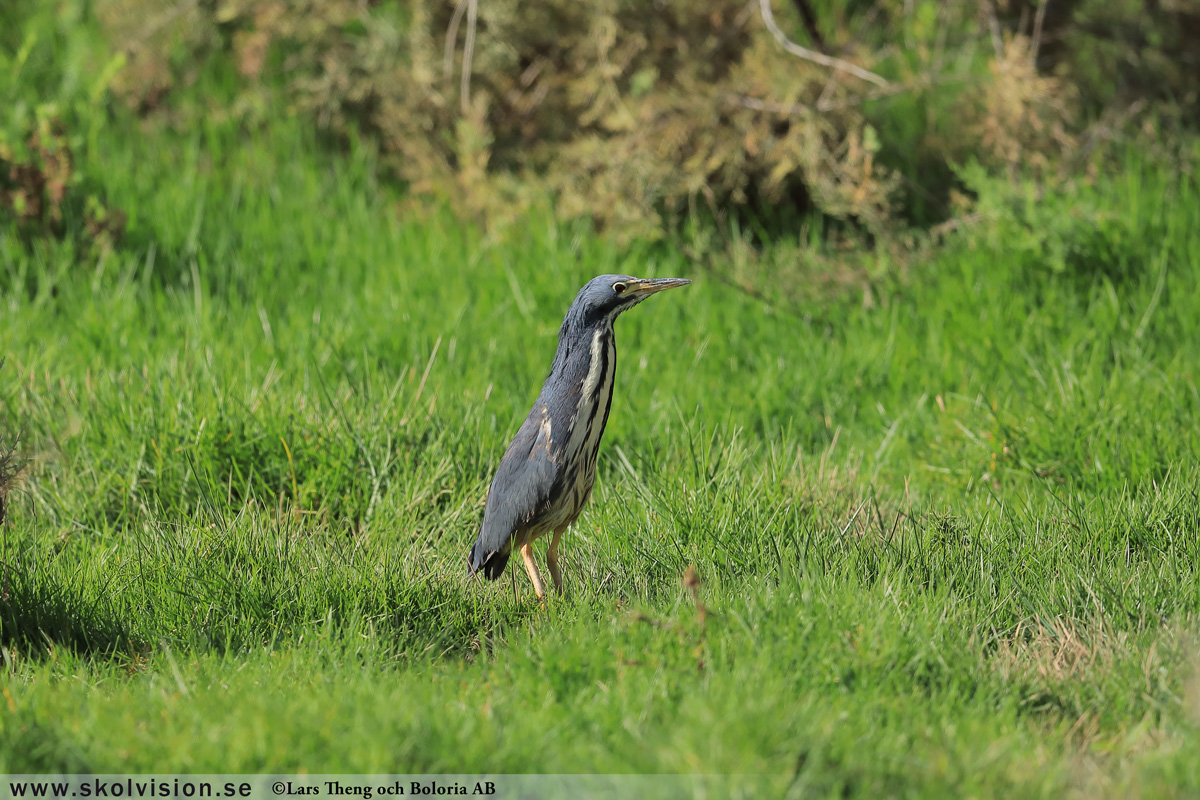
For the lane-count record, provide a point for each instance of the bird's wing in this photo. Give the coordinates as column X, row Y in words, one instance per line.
column 521, row 488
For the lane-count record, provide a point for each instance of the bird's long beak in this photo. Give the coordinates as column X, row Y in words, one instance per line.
column 648, row 287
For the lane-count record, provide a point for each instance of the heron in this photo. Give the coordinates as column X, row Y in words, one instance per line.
column 546, row 475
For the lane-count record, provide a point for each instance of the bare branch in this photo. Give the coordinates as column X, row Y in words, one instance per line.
column 813, row 55
column 452, row 39
column 1038, row 20
column 468, row 56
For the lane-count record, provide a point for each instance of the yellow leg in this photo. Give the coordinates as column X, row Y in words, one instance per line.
column 552, row 560
column 531, row 567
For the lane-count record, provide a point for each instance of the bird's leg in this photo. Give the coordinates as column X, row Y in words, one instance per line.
column 552, row 560
column 531, row 567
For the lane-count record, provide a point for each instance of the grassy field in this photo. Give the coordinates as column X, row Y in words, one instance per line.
column 947, row 543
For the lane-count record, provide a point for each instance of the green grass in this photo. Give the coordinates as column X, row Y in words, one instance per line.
column 947, row 544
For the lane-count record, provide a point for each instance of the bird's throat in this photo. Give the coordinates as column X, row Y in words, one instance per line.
column 595, row 395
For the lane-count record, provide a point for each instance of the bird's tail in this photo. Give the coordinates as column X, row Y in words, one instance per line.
column 492, row 564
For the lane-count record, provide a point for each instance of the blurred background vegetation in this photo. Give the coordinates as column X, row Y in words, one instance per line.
column 722, row 125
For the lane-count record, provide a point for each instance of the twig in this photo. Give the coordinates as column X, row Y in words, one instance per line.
column 1038, row 19
column 452, row 38
column 813, row 55
column 468, row 56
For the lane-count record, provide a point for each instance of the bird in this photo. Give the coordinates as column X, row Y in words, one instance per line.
column 546, row 475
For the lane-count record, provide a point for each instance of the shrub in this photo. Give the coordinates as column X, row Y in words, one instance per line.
column 625, row 116
column 631, row 114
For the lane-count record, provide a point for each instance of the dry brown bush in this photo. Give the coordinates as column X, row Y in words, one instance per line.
column 630, row 113
column 1025, row 118
column 624, row 114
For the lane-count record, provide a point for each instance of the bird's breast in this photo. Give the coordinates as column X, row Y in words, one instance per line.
column 594, row 382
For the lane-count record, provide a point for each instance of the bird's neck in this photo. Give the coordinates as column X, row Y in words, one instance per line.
column 598, row 362
column 577, row 342
column 583, row 374
column 585, row 354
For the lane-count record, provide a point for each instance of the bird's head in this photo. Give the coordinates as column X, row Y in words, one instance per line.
column 604, row 297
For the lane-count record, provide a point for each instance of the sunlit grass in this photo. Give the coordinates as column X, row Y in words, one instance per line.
column 946, row 544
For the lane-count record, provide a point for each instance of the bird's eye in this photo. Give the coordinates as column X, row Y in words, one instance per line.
column 619, row 287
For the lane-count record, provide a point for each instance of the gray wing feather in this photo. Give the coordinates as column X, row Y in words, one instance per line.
column 519, row 493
